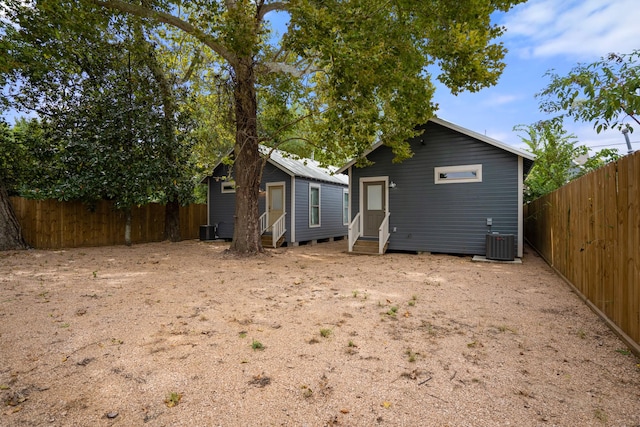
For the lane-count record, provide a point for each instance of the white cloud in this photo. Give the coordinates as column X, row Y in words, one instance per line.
column 499, row 100
column 573, row 29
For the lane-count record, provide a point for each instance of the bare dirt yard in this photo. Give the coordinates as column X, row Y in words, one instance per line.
column 185, row 335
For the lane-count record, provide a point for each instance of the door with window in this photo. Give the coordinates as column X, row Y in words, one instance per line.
column 275, row 203
column 373, row 209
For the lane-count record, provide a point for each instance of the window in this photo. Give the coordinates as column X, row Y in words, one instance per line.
column 345, row 207
column 458, row 174
column 228, row 187
column 314, row 206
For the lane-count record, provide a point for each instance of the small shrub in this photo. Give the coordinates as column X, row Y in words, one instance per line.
column 172, row 399
column 257, row 345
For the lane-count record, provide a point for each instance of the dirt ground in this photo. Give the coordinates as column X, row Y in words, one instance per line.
column 185, row 335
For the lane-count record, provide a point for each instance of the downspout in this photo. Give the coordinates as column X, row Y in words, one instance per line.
column 292, row 217
column 520, row 206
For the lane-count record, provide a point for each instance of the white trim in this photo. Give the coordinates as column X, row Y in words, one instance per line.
column 520, row 206
column 361, row 196
column 345, row 191
column 349, row 174
column 292, row 219
column 483, row 138
column 227, row 183
column 476, row 169
column 460, row 129
column 319, row 187
column 284, row 197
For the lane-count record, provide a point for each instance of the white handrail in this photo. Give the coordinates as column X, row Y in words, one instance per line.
column 263, row 223
column 354, row 231
column 383, row 233
column 278, row 229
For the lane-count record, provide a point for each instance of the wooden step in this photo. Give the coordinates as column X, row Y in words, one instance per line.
column 267, row 241
column 367, row 247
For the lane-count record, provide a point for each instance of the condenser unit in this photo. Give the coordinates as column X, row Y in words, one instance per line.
column 208, row 232
column 500, row 247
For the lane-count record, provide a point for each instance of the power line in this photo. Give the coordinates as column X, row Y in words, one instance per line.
column 609, row 145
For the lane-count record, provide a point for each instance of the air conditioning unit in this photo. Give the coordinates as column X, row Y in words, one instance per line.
column 208, row 232
column 500, row 247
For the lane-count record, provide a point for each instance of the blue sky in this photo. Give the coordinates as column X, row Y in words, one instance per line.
column 543, row 35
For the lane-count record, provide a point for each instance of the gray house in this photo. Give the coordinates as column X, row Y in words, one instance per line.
column 299, row 202
column 458, row 187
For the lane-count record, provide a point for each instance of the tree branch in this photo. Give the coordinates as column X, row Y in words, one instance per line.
column 192, row 66
column 169, row 19
column 282, row 67
column 271, row 7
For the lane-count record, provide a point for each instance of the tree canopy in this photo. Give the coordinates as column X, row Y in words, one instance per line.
column 559, row 158
column 343, row 74
column 605, row 92
column 109, row 125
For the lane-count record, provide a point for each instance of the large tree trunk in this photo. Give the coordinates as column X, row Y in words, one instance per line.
column 248, row 163
column 10, row 231
column 172, row 221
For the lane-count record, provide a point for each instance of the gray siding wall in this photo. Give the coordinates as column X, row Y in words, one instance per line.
column 223, row 205
column 331, row 224
column 448, row 218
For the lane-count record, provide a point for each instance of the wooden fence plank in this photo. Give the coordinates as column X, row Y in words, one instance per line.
column 633, row 242
column 50, row 224
column 589, row 231
column 608, row 223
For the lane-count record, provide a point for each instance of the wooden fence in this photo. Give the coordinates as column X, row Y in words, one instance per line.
column 50, row 224
column 589, row 231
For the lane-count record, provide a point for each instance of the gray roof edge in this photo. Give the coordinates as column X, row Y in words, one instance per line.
column 297, row 166
column 459, row 129
column 305, row 168
column 484, row 138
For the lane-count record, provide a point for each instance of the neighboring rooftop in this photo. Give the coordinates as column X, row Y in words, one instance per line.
column 303, row 167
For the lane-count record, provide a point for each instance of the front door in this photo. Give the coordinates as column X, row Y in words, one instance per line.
column 275, row 201
column 373, row 209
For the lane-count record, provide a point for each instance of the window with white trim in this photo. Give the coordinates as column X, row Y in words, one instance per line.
column 228, row 187
column 345, row 207
column 457, row 174
column 314, row 205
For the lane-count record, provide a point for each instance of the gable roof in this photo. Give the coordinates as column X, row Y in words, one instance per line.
column 306, row 168
column 464, row 131
column 301, row 167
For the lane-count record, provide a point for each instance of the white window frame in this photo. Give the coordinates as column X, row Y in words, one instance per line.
column 224, row 187
column 437, row 171
column 345, row 207
column 319, row 188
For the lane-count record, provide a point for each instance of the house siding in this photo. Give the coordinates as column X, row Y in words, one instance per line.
column 448, row 218
column 223, row 204
column 330, row 211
